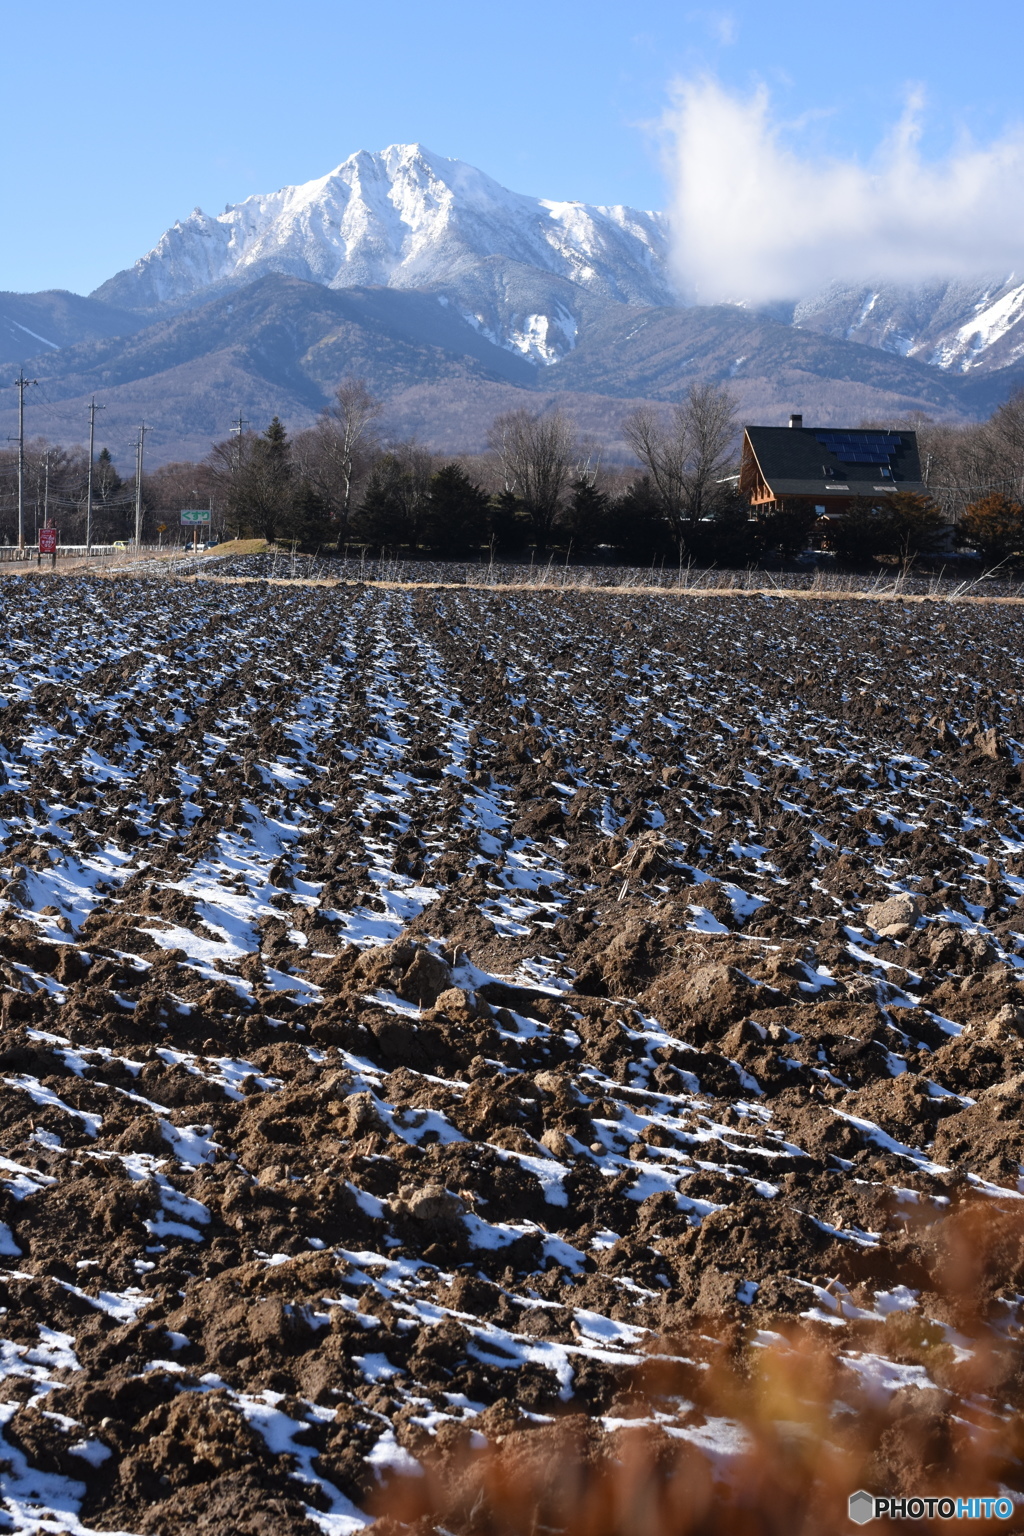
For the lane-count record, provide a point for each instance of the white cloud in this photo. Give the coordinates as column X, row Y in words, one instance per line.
column 755, row 220
column 723, row 28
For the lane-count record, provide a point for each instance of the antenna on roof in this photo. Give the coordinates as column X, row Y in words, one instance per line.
column 796, row 421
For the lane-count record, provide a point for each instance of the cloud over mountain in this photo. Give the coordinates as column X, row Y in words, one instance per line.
column 754, row 220
column 457, row 298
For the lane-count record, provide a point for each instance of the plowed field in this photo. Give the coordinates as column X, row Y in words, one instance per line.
column 422, row 1010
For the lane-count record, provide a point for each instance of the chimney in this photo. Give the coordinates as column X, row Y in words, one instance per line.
column 796, row 421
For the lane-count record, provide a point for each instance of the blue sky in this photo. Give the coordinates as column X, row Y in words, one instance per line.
column 120, row 118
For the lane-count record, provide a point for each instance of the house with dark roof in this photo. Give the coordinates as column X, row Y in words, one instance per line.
column 826, row 469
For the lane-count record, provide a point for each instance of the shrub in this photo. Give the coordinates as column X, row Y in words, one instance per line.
column 786, row 529
column 900, row 527
column 994, row 526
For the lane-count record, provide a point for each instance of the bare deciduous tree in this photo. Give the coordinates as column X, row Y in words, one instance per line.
column 336, row 454
column 228, row 464
column 961, row 464
column 686, row 455
column 1004, row 433
column 661, row 450
column 538, row 457
column 54, row 485
column 182, row 484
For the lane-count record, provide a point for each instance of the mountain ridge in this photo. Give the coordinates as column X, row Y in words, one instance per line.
column 406, row 218
column 456, row 298
column 280, row 344
column 522, row 269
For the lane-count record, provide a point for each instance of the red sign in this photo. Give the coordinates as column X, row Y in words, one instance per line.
column 47, row 541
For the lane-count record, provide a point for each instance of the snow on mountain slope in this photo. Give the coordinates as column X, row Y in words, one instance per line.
column 528, row 274
column 991, row 337
column 958, row 326
column 39, row 324
column 406, row 218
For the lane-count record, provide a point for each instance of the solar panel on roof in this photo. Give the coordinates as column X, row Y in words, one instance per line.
column 860, row 447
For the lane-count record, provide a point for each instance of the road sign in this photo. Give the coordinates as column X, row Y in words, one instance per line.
column 196, row 515
column 47, row 541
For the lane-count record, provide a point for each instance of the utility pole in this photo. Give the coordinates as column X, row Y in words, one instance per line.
column 238, row 427
column 93, row 408
column 19, row 384
column 138, row 486
column 238, row 430
column 46, row 505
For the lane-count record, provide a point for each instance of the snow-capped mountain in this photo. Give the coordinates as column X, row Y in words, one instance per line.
column 527, row 273
column 457, row 299
column 959, row 326
column 524, row 271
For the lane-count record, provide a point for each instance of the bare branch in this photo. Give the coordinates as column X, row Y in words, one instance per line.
column 538, row 455
column 685, row 455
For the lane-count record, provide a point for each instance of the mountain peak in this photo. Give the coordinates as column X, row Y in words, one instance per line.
column 529, row 274
column 520, row 269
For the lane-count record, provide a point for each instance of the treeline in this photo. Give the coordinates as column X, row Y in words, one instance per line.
column 541, row 488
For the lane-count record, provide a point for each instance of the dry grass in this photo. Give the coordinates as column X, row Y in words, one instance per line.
column 97, row 565
column 125, row 562
column 182, row 564
column 237, row 547
column 807, row 1429
column 806, row 594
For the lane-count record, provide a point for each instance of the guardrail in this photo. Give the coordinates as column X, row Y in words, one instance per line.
column 11, row 554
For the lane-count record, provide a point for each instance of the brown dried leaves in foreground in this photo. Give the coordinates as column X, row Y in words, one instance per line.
column 784, row 1424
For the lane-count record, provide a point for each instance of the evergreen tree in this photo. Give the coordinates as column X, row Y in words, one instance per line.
column 900, row 527
column 309, row 520
column 386, row 517
column 110, row 502
column 456, row 518
column 276, row 454
column 860, row 535
column 262, row 487
column 509, row 529
column 786, row 529
column 727, row 537
column 585, row 520
column 637, row 525
column 106, row 482
column 917, row 524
